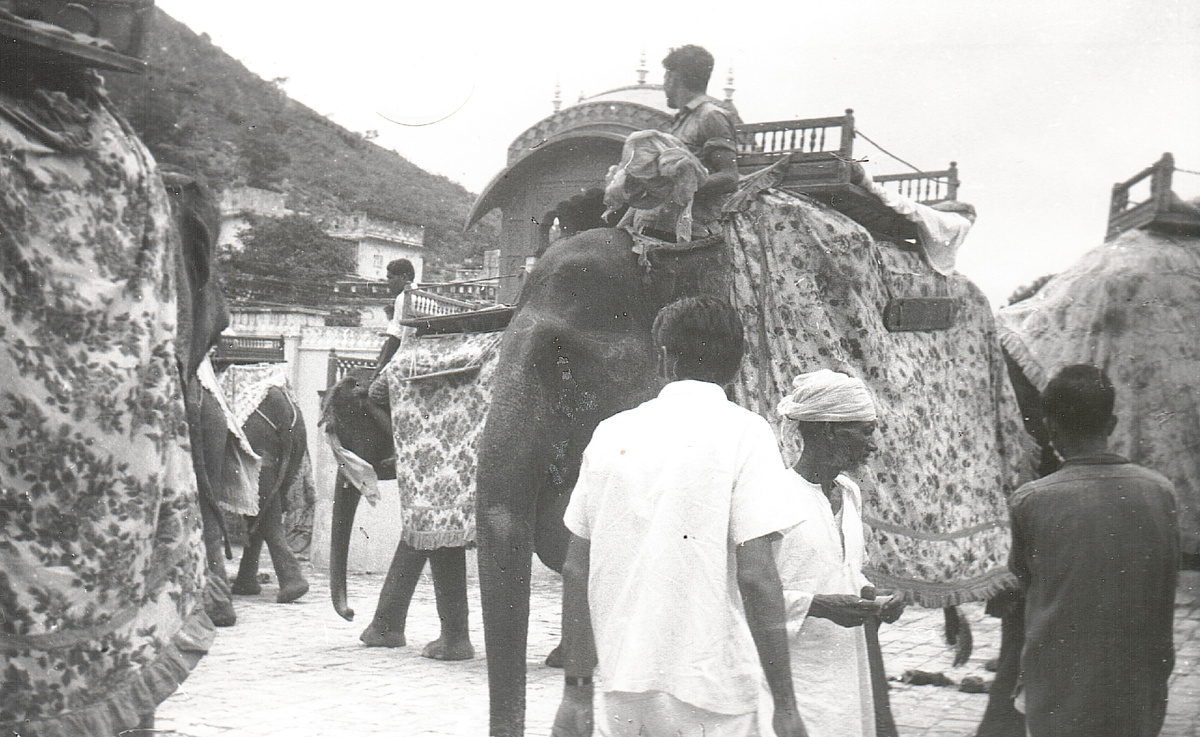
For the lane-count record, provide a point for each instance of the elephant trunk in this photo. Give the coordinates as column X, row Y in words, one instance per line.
column 345, row 504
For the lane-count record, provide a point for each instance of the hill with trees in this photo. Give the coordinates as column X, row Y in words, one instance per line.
column 199, row 109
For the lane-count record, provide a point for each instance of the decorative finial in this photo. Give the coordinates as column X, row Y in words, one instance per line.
column 729, row 85
column 641, row 70
column 557, row 97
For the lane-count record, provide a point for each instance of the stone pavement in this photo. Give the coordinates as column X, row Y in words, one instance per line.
column 298, row 670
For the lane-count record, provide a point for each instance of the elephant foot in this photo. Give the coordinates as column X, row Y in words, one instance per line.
column 441, row 649
column 221, row 613
column 555, row 658
column 291, row 592
column 374, row 636
column 247, row 588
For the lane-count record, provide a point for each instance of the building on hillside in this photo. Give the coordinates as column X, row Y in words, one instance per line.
column 239, row 202
column 377, row 242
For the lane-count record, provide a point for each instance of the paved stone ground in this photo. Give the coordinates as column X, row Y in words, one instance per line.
column 298, row 670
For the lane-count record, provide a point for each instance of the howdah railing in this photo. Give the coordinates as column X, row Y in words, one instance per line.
column 1124, row 214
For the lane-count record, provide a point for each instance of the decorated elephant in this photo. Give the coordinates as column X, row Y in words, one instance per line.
column 420, row 432
column 260, row 419
column 202, row 311
column 813, row 287
column 102, row 572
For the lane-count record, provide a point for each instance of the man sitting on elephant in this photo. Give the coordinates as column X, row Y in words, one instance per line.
column 706, row 126
column 679, row 499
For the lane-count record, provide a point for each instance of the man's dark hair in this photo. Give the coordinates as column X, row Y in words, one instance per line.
column 1080, row 399
column 401, row 267
column 704, row 334
column 693, row 64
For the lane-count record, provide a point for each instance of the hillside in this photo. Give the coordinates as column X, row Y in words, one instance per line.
column 202, row 110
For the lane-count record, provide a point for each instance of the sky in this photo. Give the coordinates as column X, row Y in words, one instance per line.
column 1044, row 105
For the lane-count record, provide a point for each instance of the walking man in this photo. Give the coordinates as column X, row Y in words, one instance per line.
column 1096, row 551
column 670, row 583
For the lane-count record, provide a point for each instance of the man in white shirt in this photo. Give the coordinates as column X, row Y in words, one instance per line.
column 400, row 275
column 669, row 580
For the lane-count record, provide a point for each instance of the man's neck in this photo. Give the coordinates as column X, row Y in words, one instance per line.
column 1081, row 447
column 689, row 96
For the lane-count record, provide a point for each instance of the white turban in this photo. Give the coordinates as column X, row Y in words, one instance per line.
column 828, row 396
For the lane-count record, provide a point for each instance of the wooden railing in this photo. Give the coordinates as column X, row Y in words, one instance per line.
column 924, row 186
column 249, row 349
column 770, row 141
column 339, row 366
column 1124, row 214
column 420, row 303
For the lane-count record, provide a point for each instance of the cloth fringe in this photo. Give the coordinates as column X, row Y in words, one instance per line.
column 434, row 539
column 939, row 595
column 141, row 695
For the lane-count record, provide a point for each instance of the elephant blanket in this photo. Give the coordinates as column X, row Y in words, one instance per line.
column 438, row 387
column 813, row 286
column 1130, row 306
column 101, row 556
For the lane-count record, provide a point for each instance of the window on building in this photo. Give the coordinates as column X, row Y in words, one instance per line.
column 378, row 261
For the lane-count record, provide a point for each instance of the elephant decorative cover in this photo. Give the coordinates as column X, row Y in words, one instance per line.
column 101, row 556
column 812, row 286
column 439, row 392
column 1130, row 306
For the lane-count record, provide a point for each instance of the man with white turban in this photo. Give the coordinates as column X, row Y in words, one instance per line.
column 820, row 560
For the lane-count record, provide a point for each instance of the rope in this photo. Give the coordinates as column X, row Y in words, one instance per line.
column 858, row 132
column 1187, row 171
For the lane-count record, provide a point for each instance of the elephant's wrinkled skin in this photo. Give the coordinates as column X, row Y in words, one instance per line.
column 203, row 314
column 578, row 350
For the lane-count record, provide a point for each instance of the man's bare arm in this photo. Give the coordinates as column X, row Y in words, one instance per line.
column 762, row 594
column 574, row 717
column 385, row 353
column 723, row 172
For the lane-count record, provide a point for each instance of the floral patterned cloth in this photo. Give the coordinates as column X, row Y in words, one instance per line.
column 1131, row 306
column 439, row 391
column 812, row 286
column 101, row 556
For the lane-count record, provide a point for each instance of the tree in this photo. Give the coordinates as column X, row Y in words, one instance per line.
column 263, row 157
column 288, row 260
column 1023, row 293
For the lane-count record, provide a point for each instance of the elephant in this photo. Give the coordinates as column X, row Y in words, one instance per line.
column 204, row 313
column 276, row 431
column 578, row 350
column 108, row 302
column 364, row 428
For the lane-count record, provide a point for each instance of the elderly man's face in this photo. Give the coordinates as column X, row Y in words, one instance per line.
column 854, row 442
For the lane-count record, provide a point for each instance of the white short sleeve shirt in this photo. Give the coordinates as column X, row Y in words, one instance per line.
column 666, row 492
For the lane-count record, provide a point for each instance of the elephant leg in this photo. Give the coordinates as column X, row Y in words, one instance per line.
column 505, row 538
column 292, row 584
column 218, row 598
column 449, row 569
column 246, row 583
column 387, row 626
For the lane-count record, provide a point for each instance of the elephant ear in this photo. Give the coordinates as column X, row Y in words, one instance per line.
column 202, row 311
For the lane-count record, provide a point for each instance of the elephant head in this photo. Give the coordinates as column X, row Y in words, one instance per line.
column 363, row 428
column 577, row 351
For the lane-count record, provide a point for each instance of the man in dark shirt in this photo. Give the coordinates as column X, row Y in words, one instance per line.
column 704, row 124
column 1096, row 550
